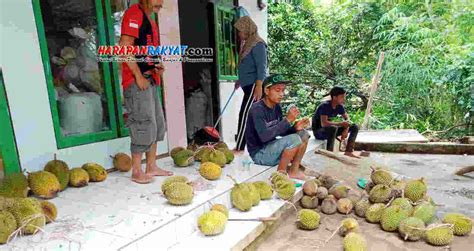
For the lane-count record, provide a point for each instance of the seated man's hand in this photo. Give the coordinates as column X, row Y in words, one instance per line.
column 345, row 133
column 301, row 124
column 345, row 124
column 293, row 113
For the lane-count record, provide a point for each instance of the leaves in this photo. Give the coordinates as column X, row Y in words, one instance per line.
column 428, row 68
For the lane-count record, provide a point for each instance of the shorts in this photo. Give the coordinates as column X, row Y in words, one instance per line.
column 146, row 121
column 270, row 154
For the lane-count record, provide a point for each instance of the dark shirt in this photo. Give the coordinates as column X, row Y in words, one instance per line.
column 325, row 108
column 264, row 124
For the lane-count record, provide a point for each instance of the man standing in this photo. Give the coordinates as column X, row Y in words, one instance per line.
column 325, row 129
column 266, row 122
column 139, row 81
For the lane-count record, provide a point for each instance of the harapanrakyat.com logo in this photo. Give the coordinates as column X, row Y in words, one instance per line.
column 156, row 54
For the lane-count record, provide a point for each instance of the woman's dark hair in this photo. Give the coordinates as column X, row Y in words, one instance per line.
column 336, row 91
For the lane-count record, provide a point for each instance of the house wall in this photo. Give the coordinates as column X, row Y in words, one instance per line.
column 230, row 118
column 25, row 84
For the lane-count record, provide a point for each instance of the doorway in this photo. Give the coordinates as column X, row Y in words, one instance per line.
column 201, row 90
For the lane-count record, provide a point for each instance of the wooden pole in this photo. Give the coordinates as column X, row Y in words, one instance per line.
column 373, row 89
column 465, row 170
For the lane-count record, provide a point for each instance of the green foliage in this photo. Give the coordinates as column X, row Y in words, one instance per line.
column 429, row 59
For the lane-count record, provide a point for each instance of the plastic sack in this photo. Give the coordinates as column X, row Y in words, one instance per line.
column 81, row 113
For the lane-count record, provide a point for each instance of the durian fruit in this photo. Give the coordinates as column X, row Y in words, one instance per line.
column 221, row 208
column 398, row 186
column 28, row 213
column 229, row 155
column 425, row 212
column 462, row 223
column 14, row 185
column 44, row 184
column 217, row 157
column 122, row 162
column 415, row 189
column 404, row 203
column 381, row 176
column 168, row 181
column 411, row 229
column 327, row 181
column 361, row 207
column 354, row 196
column 380, row 194
column 354, row 242
column 5, row 203
column 439, row 235
column 97, row 173
column 202, row 154
column 322, row 193
column 254, row 193
column 308, row 219
column 60, row 169
column 176, row 150
column 374, row 213
column 240, row 196
column 277, row 176
column 7, row 225
column 344, row 206
column 210, row 171
column 310, row 188
column 49, row 210
column 179, row 193
column 329, row 205
column 184, row 158
column 309, row 202
column 339, row 192
column 221, row 145
column 212, row 223
column 78, row 177
column 285, row 189
column 265, row 190
column 348, row 225
column 193, row 147
column 391, row 218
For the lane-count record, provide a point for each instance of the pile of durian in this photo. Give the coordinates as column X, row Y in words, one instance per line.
column 397, row 205
column 26, row 215
column 218, row 153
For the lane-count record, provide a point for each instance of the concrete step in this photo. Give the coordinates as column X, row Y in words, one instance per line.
column 183, row 234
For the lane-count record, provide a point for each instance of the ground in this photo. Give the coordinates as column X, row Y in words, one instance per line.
column 437, row 170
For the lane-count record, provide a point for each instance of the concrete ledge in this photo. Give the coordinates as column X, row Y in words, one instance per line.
column 426, row 148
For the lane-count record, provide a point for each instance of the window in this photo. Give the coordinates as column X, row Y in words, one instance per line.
column 85, row 95
column 79, row 86
column 226, row 42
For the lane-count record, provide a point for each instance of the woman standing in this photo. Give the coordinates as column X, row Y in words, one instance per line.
column 252, row 71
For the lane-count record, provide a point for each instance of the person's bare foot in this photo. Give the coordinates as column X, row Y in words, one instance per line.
column 351, row 154
column 297, row 175
column 154, row 170
column 141, row 178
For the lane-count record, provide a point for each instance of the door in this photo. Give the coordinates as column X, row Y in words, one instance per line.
column 9, row 162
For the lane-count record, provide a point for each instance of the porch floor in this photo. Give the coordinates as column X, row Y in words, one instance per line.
column 118, row 214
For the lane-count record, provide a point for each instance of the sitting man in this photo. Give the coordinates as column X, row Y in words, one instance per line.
column 325, row 129
column 266, row 122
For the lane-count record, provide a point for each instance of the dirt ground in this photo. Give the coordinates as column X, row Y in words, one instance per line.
column 453, row 192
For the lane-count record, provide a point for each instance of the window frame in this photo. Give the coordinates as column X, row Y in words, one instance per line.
column 76, row 140
column 11, row 162
column 219, row 11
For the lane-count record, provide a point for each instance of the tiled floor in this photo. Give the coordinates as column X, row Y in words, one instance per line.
column 118, row 213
